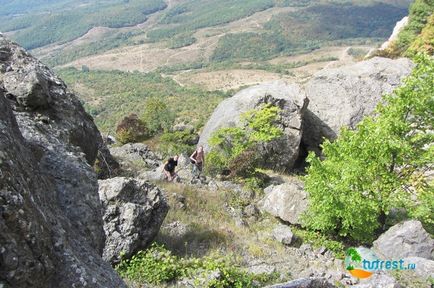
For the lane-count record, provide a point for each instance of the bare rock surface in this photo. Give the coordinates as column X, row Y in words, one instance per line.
column 406, row 239
column 51, row 224
column 133, row 213
column 286, row 201
column 341, row 97
column 282, row 152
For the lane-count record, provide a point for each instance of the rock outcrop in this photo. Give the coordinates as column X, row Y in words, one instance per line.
column 341, row 97
column 407, row 239
column 281, row 153
column 134, row 157
column 133, row 213
column 51, row 224
column 286, row 201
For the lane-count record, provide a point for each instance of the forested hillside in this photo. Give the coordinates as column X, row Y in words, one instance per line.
column 52, row 22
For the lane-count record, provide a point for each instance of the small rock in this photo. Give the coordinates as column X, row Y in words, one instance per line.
column 283, row 234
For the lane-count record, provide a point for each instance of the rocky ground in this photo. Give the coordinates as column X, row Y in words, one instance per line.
column 61, row 227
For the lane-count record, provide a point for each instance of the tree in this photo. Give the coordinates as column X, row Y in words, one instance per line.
column 131, row 129
column 378, row 166
column 157, row 116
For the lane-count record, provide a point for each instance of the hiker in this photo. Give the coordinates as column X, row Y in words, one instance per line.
column 169, row 168
column 198, row 160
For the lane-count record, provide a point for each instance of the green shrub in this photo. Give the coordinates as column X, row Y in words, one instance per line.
column 318, row 240
column 233, row 148
column 177, row 142
column 379, row 165
column 131, row 130
column 420, row 10
column 157, row 116
column 157, row 265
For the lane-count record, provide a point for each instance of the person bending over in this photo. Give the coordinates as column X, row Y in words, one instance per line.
column 170, row 167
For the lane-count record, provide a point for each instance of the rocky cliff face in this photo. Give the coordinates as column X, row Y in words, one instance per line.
column 51, row 221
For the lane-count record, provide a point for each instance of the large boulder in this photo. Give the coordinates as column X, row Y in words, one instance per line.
column 51, row 224
column 407, row 239
column 424, row 267
column 280, row 153
column 133, row 213
column 134, row 157
column 341, row 97
column 286, row 201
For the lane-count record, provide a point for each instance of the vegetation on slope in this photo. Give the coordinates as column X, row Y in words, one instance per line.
column 67, row 24
column 309, row 29
column 196, row 14
column 425, row 41
column 111, row 95
column 419, row 15
column 378, row 166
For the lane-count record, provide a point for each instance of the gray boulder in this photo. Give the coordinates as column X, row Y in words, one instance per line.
column 305, row 283
column 134, row 157
column 133, row 213
column 424, row 267
column 283, row 234
column 51, row 224
column 286, row 201
column 281, row 153
column 407, row 239
column 378, row 280
column 341, row 97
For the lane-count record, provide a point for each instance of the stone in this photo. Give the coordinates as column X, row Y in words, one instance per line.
column 286, row 201
column 341, row 97
column 133, row 213
column 424, row 267
column 283, row 234
column 305, row 283
column 135, row 157
column 378, row 280
column 51, row 224
column 406, row 239
column 281, row 153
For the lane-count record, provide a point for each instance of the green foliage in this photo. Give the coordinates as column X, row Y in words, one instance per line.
column 157, row 265
column 111, row 40
column 309, row 29
column 425, row 40
column 195, row 14
column 111, row 95
column 182, row 40
column 61, row 25
column 177, row 142
column 234, row 146
column 318, row 240
column 379, row 165
column 419, row 13
column 131, row 130
column 157, row 115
